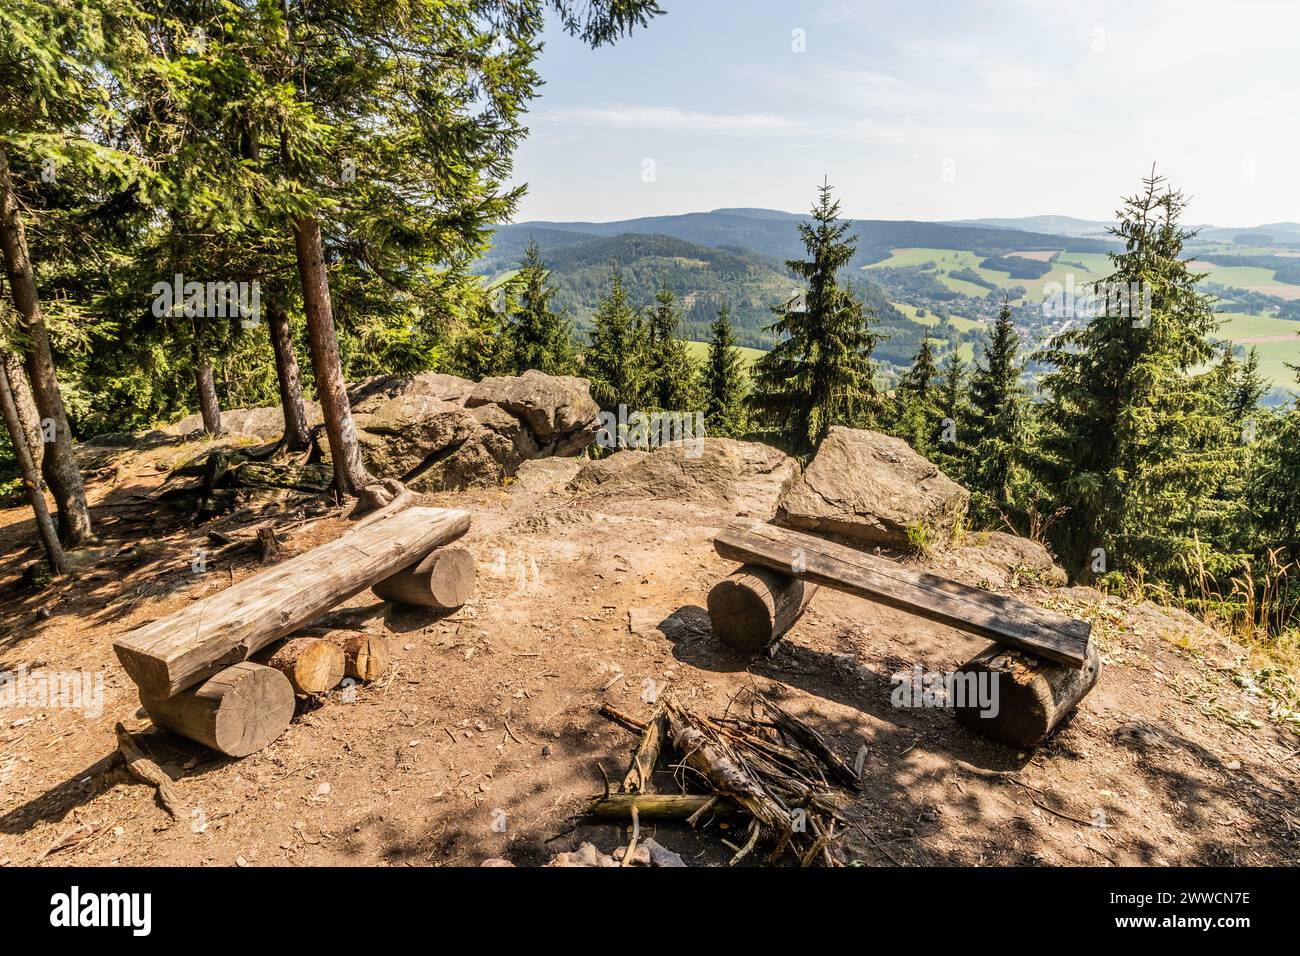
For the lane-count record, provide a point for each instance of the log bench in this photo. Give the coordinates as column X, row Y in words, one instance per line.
column 192, row 667
column 1044, row 661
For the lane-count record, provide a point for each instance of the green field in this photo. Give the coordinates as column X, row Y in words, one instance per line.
column 1253, row 278
column 1085, row 267
column 699, row 351
column 1276, row 340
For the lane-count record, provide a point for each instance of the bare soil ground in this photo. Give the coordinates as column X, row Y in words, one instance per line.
column 485, row 738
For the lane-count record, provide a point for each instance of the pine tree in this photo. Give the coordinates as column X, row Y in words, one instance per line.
column 820, row 372
column 672, row 378
column 998, row 410
column 614, row 363
column 724, row 380
column 1134, row 442
column 1273, row 488
column 538, row 337
column 915, row 412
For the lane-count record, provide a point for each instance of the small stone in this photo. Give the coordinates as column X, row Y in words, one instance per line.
column 240, row 861
column 1234, row 765
column 323, row 790
column 546, row 750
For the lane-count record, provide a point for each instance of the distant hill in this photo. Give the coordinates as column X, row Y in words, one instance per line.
column 701, row 277
column 771, row 232
column 1056, row 225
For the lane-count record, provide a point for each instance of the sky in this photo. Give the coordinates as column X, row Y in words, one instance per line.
column 923, row 109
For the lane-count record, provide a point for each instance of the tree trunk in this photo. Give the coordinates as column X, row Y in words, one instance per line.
column 296, row 435
column 28, row 418
column 350, row 474
column 31, row 477
column 754, row 606
column 1023, row 698
column 209, row 406
column 59, row 465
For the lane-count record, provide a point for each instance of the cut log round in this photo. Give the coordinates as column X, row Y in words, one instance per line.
column 1024, row 697
column 443, row 579
column 237, row 711
column 312, row 665
column 365, row 656
column 752, row 608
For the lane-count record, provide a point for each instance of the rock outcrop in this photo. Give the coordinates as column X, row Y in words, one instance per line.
column 996, row 559
column 747, row 476
column 558, row 409
column 870, row 489
column 438, row 432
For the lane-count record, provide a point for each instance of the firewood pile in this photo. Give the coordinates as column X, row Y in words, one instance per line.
column 768, row 776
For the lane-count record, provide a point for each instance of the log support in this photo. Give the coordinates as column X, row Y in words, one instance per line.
column 236, row 712
column 1022, row 697
column 753, row 607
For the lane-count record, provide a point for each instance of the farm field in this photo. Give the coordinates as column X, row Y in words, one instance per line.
column 1276, row 340
column 699, row 351
column 1086, row 267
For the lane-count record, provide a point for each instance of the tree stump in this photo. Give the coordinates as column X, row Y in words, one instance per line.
column 1030, row 695
column 237, row 711
column 753, row 607
column 443, row 579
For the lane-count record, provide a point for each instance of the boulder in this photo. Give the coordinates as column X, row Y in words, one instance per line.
column 265, row 423
column 399, row 435
column 370, row 393
column 558, row 409
column 997, row 559
column 870, row 488
column 746, row 476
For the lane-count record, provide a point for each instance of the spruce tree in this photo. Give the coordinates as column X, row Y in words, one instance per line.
column 915, row 412
column 998, row 409
column 820, row 372
column 537, row 336
column 1134, row 443
column 615, row 361
column 724, row 380
column 672, row 378
column 953, row 402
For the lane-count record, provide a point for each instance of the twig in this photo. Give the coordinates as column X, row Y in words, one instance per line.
column 636, row 835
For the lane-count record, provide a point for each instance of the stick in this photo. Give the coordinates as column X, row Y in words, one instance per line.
column 146, row 771
column 647, row 754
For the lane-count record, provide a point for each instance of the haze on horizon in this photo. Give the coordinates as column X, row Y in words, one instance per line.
column 984, row 109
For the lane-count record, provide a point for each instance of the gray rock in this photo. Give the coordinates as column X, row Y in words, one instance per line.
column 401, row 434
column 746, row 476
column 996, row 558
column 869, row 488
column 558, row 409
column 370, row 393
